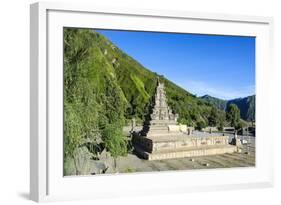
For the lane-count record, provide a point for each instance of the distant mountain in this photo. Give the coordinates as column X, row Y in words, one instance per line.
column 246, row 105
column 219, row 103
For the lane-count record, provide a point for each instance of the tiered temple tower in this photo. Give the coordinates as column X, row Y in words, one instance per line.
column 161, row 117
column 161, row 110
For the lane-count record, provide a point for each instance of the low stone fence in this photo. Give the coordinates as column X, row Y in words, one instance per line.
column 210, row 129
column 228, row 129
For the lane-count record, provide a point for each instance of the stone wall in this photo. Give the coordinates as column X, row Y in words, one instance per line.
column 190, row 153
column 210, row 129
column 174, row 143
column 190, row 142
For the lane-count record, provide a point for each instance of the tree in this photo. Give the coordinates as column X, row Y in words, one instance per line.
column 221, row 122
column 114, row 141
column 233, row 115
column 242, row 124
column 213, row 117
column 200, row 124
column 72, row 134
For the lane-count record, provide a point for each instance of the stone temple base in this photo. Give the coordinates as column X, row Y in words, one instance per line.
column 165, row 147
column 162, row 138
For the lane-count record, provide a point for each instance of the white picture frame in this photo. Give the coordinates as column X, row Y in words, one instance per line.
column 46, row 176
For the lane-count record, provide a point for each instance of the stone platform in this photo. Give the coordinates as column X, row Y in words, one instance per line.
column 166, row 147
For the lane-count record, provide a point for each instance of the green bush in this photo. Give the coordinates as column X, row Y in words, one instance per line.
column 200, row 124
column 114, row 140
column 233, row 115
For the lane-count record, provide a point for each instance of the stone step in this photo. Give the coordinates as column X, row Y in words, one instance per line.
column 158, row 128
column 161, row 124
column 158, row 132
column 171, row 135
column 158, row 125
column 168, row 122
column 186, row 152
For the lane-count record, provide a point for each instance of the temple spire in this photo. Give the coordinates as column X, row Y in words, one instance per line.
column 161, row 110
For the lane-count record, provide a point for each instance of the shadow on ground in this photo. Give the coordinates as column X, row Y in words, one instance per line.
column 24, row 195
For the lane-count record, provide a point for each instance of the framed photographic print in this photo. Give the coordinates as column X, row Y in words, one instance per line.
column 147, row 101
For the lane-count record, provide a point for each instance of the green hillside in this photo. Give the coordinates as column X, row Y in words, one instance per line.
column 137, row 84
column 246, row 105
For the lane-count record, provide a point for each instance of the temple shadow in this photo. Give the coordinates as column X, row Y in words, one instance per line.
column 134, row 152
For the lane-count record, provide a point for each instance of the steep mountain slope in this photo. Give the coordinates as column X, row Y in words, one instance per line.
column 246, row 105
column 138, row 85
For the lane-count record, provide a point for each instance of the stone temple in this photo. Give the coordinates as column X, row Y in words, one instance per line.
column 162, row 138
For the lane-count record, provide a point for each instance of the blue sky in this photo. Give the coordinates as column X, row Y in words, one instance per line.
column 220, row 66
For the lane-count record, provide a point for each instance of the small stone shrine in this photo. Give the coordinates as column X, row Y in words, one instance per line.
column 162, row 137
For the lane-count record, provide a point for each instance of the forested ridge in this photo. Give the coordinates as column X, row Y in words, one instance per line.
column 246, row 105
